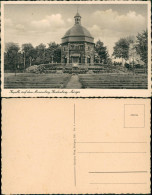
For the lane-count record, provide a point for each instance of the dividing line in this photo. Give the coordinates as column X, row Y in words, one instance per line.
column 118, row 183
column 111, row 142
column 74, row 146
column 74, row 114
column 75, row 175
column 111, row 152
column 118, row 172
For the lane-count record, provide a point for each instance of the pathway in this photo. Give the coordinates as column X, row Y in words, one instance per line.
column 74, row 83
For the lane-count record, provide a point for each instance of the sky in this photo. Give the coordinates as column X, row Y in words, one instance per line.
column 31, row 23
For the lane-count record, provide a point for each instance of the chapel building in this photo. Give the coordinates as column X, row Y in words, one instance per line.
column 77, row 45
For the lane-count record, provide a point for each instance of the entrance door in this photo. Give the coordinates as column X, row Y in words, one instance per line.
column 75, row 60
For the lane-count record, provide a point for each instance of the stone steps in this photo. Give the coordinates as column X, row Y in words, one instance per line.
column 36, row 81
column 102, row 81
column 124, row 81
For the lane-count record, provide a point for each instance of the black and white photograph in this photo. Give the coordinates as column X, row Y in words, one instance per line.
column 75, row 46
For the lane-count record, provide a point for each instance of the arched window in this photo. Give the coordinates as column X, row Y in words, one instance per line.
column 88, row 60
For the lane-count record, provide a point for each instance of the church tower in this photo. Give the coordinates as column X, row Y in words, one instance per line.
column 77, row 18
column 77, row 45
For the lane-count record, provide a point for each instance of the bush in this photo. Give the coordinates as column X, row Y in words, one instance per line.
column 128, row 66
column 32, row 69
column 138, row 66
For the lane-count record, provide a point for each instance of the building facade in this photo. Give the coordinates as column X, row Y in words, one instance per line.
column 77, row 45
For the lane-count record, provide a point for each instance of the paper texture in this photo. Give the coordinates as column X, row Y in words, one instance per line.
column 75, row 146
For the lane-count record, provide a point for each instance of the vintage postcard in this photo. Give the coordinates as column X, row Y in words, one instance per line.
column 74, row 146
column 76, row 49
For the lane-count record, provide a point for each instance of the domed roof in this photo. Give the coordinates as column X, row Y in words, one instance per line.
column 77, row 32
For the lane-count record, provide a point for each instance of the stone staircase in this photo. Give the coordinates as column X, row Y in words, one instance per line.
column 29, row 81
column 114, row 81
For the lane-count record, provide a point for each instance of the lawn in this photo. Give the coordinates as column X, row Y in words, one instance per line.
column 95, row 81
column 31, row 80
column 114, row 81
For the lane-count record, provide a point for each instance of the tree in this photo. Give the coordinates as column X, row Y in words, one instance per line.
column 57, row 54
column 102, row 55
column 28, row 53
column 142, row 46
column 40, row 53
column 121, row 49
column 54, row 53
column 132, row 54
column 11, row 56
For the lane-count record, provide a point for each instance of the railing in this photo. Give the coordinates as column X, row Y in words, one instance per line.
column 96, row 68
column 71, row 64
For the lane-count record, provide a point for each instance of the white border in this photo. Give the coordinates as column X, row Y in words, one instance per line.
column 77, row 92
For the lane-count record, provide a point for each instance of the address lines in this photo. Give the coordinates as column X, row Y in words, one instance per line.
column 116, row 172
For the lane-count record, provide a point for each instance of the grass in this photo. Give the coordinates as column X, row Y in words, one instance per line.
column 30, row 80
column 96, row 81
column 114, row 81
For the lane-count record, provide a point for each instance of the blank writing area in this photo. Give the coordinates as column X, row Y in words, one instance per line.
column 111, row 158
column 66, row 146
column 37, row 146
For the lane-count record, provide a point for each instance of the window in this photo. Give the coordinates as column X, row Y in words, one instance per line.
column 88, row 60
column 76, row 47
column 81, row 47
column 72, row 47
column 65, row 60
